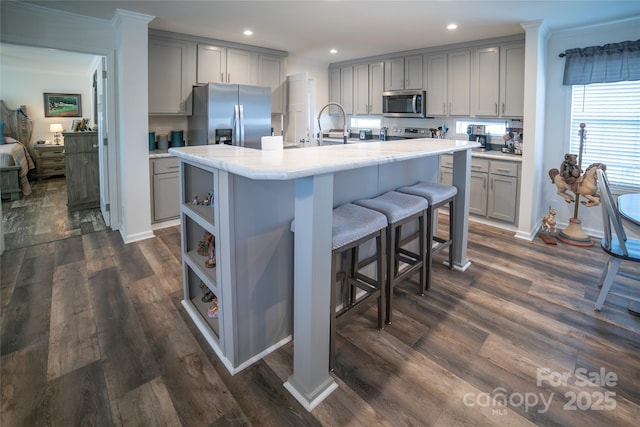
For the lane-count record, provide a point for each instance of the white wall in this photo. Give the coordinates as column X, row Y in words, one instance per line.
column 558, row 109
column 20, row 86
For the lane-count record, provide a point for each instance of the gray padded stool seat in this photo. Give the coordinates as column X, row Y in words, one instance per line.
column 352, row 226
column 400, row 209
column 437, row 195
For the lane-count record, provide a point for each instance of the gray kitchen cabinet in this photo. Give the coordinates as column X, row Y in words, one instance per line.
column 212, row 64
column 165, row 188
column 512, row 80
column 448, row 83
column 346, row 89
column 503, row 190
column 486, row 81
column 225, row 65
column 172, row 74
column 271, row 73
column 368, row 85
column 498, row 81
column 494, row 191
column 341, row 89
column 403, row 73
column 81, row 170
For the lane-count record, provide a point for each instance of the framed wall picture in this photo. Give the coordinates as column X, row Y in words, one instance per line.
column 62, row 105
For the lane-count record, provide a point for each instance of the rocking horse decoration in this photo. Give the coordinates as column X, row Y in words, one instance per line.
column 570, row 178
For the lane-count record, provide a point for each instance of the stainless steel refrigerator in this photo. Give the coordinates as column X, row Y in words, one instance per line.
column 226, row 113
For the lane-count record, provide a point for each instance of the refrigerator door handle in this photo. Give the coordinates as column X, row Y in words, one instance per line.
column 241, row 125
column 235, row 140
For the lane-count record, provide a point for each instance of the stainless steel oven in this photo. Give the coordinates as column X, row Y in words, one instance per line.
column 404, row 103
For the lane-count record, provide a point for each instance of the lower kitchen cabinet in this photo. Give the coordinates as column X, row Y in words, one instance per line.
column 494, row 191
column 82, row 170
column 165, row 180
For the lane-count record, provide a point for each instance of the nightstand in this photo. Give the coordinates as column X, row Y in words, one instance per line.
column 49, row 160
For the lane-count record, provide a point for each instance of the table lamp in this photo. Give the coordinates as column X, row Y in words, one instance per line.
column 56, row 128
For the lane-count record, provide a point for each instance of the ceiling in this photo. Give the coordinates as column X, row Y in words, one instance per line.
column 357, row 29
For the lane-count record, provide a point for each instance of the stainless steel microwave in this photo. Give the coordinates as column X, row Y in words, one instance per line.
column 404, row 103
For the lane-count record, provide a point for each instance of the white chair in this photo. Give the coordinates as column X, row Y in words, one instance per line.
column 616, row 244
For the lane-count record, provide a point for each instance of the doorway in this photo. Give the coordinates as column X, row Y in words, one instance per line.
column 43, row 216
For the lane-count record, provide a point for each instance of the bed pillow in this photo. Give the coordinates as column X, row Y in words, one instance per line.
column 2, row 132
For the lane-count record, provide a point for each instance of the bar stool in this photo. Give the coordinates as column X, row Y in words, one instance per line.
column 352, row 226
column 400, row 209
column 437, row 195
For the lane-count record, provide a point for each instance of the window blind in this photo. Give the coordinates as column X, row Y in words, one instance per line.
column 611, row 113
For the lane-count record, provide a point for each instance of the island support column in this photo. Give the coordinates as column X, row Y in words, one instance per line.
column 462, row 181
column 310, row 382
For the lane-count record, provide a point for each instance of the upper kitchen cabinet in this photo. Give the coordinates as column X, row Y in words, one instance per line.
column 172, row 73
column 498, row 81
column 346, row 89
column 271, row 73
column 341, row 89
column 512, row 80
column 448, row 83
column 368, row 85
column 224, row 65
column 403, row 73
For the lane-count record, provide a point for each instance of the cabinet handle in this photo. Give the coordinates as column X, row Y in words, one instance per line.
column 503, row 170
column 95, row 145
column 173, row 167
column 496, row 108
column 503, row 108
column 221, row 77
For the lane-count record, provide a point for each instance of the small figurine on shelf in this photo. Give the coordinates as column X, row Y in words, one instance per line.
column 213, row 309
column 203, row 245
column 195, row 200
column 207, row 200
column 211, row 262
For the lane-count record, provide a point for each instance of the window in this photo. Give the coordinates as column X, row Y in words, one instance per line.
column 365, row 122
column 611, row 113
column 492, row 128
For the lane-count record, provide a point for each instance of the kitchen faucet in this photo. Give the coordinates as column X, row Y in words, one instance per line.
column 344, row 118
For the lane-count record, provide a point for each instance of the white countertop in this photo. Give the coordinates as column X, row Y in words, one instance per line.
column 497, row 155
column 302, row 162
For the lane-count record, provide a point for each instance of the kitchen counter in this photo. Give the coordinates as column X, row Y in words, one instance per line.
column 268, row 189
column 309, row 161
column 497, row 155
column 157, row 154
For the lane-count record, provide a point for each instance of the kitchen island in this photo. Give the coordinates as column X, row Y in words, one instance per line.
column 269, row 281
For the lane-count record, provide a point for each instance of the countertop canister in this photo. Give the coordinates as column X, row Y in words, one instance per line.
column 163, row 142
column 177, row 138
column 152, row 141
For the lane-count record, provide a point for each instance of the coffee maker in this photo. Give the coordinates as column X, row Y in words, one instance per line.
column 478, row 133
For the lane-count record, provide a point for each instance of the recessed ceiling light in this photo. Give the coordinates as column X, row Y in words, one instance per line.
column 452, row 26
column 333, row 51
column 248, row 32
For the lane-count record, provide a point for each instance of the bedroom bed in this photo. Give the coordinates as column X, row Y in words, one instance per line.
column 15, row 159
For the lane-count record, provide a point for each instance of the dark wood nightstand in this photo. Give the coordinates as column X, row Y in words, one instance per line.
column 49, row 160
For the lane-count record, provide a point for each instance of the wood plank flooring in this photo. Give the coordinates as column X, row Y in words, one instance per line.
column 43, row 216
column 94, row 333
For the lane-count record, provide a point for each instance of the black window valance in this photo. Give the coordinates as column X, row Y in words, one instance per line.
column 613, row 62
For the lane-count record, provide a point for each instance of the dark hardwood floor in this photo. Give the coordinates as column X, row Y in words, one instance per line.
column 93, row 333
column 43, row 216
